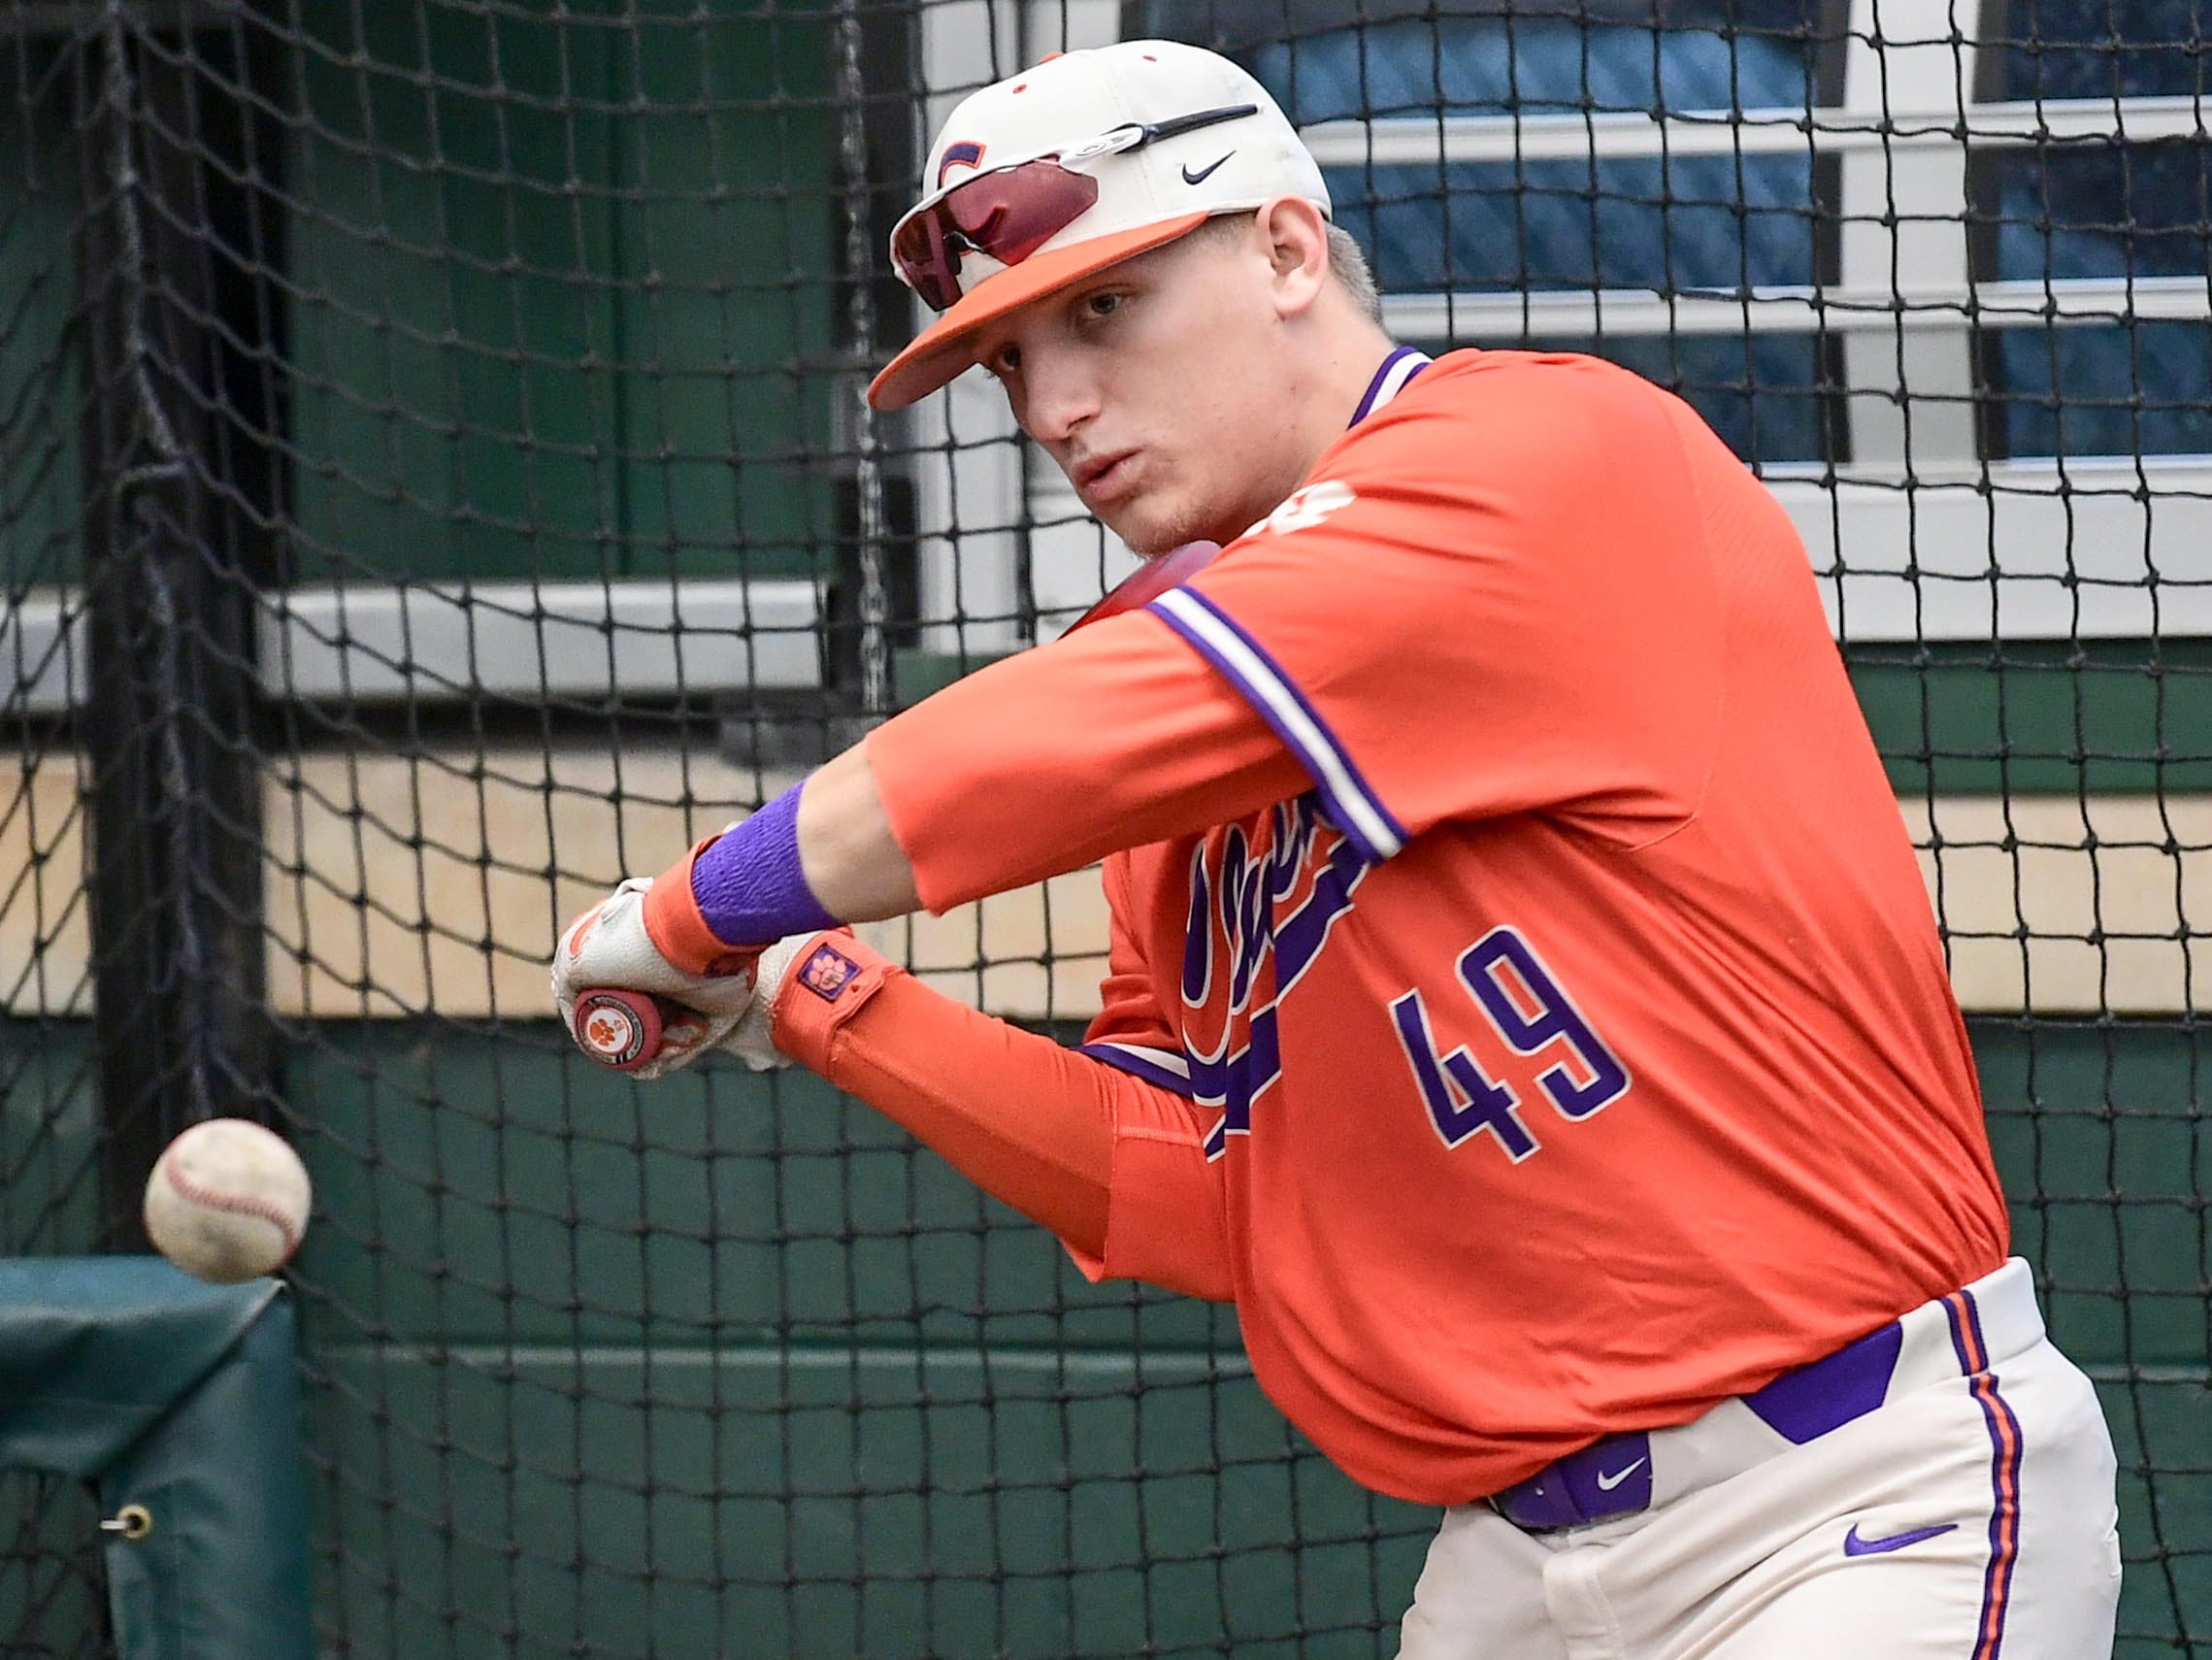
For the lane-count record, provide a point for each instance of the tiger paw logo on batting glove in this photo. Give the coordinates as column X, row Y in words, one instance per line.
column 607, row 950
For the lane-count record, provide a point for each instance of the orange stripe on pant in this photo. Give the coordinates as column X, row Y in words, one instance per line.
column 2004, row 1473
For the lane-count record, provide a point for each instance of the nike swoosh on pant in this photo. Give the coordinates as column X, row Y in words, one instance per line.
column 1607, row 1482
column 1854, row 1545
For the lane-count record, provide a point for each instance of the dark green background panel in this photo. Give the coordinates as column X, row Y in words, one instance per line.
column 489, row 1190
column 2040, row 716
column 561, row 273
column 49, row 1138
column 832, row 1501
column 771, row 1380
column 40, row 162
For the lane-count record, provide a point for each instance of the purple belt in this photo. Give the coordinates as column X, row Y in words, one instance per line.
column 1613, row 1476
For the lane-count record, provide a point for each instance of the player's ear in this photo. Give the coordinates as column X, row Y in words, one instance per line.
column 1297, row 238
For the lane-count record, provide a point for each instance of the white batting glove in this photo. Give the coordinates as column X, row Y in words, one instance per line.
column 608, row 947
column 748, row 1037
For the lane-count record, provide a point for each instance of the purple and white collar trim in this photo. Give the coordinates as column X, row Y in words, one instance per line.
column 1400, row 367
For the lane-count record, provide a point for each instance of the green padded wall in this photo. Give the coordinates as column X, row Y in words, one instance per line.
column 786, row 1375
column 38, row 206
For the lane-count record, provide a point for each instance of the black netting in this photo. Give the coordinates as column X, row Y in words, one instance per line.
column 434, row 483
column 53, row 1586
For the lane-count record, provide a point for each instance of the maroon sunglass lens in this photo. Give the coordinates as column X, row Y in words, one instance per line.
column 1009, row 215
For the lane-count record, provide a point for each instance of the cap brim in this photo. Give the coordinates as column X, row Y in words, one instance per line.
column 945, row 348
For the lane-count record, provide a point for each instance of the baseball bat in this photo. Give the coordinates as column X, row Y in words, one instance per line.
column 1150, row 579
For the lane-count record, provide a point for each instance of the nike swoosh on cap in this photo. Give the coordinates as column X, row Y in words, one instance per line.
column 1607, row 1482
column 1202, row 174
column 1854, row 1545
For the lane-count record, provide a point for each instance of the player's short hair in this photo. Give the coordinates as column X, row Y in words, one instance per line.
column 1347, row 261
column 1348, row 264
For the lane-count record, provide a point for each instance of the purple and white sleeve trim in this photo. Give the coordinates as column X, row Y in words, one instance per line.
column 1168, row 1069
column 1352, row 802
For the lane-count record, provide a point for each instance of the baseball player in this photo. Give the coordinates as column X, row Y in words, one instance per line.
column 1523, row 1001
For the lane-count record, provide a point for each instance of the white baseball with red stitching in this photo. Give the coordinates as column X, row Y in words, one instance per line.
column 227, row 1200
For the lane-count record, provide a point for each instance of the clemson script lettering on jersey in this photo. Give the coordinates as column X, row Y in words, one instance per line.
column 1261, row 908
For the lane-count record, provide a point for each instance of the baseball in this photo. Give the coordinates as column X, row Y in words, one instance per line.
column 227, row 1200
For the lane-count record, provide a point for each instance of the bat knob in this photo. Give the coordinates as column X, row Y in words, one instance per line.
column 618, row 1028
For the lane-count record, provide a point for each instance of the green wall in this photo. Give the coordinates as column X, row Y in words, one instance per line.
column 784, row 1385
column 2039, row 717
column 49, row 1172
column 561, row 286
column 39, row 162
column 722, row 1366
column 725, row 1365
column 558, row 292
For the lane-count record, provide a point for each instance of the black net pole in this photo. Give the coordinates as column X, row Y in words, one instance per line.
column 174, row 870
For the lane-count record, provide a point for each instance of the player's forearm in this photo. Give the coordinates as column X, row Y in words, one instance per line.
column 1006, row 1108
column 1067, row 1141
column 853, row 862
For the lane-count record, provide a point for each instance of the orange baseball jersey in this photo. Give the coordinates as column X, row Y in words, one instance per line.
column 1503, row 875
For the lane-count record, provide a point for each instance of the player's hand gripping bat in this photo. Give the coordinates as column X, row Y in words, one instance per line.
column 625, row 1005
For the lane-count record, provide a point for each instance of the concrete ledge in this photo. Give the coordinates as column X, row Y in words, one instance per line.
column 431, row 643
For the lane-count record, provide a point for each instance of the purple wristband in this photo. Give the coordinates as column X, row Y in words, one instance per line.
column 749, row 886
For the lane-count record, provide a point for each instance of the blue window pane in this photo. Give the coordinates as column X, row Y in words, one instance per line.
column 2102, row 389
column 2076, row 388
column 2140, row 210
column 1695, row 222
column 2100, row 48
column 1476, row 66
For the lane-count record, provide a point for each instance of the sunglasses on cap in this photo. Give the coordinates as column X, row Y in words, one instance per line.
column 1009, row 212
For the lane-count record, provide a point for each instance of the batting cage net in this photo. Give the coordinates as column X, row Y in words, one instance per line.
column 435, row 483
column 52, row 1587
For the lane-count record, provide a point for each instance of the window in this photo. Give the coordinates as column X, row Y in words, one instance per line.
column 1480, row 159
column 1939, row 271
column 2089, row 214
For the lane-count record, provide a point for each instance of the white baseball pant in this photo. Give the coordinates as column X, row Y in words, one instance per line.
column 1967, row 1515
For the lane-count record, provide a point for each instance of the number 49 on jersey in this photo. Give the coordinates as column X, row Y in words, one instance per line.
column 1531, row 1012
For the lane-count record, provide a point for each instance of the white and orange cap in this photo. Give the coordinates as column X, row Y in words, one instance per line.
column 1146, row 197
